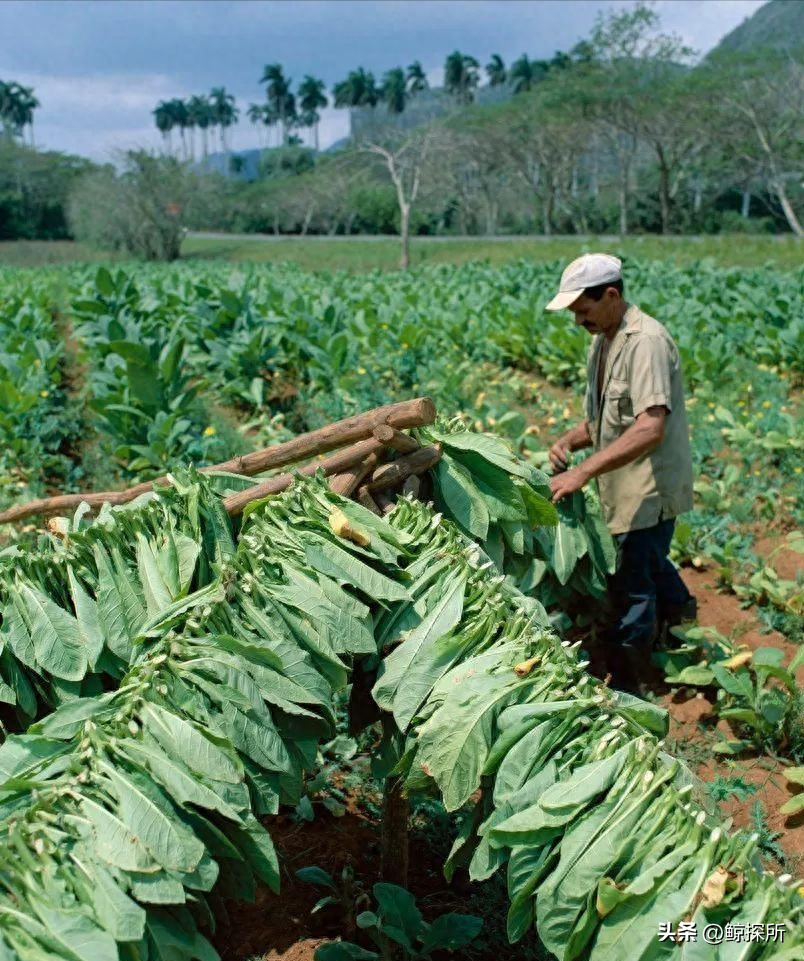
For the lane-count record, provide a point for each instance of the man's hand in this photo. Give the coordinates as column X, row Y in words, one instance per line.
column 567, row 482
column 559, row 455
column 575, row 439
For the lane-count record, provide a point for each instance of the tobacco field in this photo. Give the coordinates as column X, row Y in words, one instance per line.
column 175, row 681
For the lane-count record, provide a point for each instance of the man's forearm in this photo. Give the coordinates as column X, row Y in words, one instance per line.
column 639, row 439
column 579, row 437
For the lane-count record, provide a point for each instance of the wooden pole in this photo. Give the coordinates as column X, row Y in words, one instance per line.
column 347, row 483
column 410, row 413
column 336, row 463
column 395, row 439
column 394, row 846
column 364, row 497
column 394, row 838
column 393, row 474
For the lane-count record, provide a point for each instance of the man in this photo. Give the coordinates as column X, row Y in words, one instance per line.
column 636, row 422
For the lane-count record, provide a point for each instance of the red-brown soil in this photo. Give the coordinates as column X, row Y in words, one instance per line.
column 786, row 563
column 281, row 927
column 690, row 718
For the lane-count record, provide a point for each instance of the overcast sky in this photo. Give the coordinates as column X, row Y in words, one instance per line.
column 100, row 66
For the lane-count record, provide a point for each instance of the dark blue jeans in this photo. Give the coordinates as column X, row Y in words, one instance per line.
column 644, row 589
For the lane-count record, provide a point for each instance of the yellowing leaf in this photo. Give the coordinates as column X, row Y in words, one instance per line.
column 744, row 657
column 525, row 667
column 340, row 525
column 714, row 887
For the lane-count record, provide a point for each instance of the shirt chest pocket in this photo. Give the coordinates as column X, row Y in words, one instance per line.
column 618, row 410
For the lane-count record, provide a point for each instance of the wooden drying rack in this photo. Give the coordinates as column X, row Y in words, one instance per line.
column 372, row 459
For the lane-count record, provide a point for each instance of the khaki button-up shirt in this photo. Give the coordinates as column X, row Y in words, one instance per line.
column 642, row 370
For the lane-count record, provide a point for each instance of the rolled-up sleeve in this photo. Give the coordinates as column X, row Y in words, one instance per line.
column 651, row 370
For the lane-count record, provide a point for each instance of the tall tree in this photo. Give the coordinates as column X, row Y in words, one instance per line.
column 461, row 76
column 17, row 105
column 279, row 96
column 407, row 158
column 635, row 85
column 271, row 119
column 181, row 119
column 359, row 89
column 764, row 98
column 312, row 99
column 255, row 115
column 163, row 117
column 201, row 117
column 526, row 73
column 495, row 71
column 26, row 103
column 417, row 78
column 224, row 113
column 394, row 90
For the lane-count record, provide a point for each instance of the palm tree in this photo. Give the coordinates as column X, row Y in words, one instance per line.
column 277, row 91
column 224, row 112
column 312, row 97
column 17, row 104
column 181, row 119
column 359, row 89
column 200, row 115
column 525, row 73
column 270, row 118
column 163, row 117
column 417, row 79
column 495, row 71
column 5, row 103
column 255, row 115
column 292, row 119
column 394, row 90
column 26, row 103
column 461, row 76
column 560, row 60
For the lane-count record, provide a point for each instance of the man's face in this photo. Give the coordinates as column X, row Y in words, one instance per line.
column 597, row 316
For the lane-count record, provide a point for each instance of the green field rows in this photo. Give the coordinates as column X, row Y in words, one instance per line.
column 167, row 678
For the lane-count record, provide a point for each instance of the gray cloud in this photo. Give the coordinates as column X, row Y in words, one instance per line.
column 100, row 66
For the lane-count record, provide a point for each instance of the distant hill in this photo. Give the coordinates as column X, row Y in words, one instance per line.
column 778, row 24
column 424, row 106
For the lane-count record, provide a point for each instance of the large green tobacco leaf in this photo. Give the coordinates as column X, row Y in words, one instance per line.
column 123, row 918
column 114, row 841
column 177, row 779
column 157, row 594
column 347, row 569
column 441, row 618
column 455, row 757
column 183, row 740
column 466, row 504
column 585, row 783
column 144, row 813
column 76, row 935
column 57, row 642
column 486, row 447
column 86, row 612
column 68, row 719
column 121, row 606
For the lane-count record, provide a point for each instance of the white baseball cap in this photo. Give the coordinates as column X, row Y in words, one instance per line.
column 590, row 270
